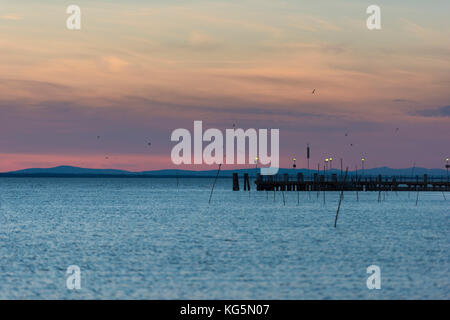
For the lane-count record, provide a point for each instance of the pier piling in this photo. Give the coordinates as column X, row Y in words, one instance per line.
column 235, row 182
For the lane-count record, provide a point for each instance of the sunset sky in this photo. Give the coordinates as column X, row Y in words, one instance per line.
column 137, row 70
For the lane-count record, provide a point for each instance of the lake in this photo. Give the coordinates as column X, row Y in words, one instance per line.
column 149, row 239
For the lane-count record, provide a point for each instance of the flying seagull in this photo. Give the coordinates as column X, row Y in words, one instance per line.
column 313, row 91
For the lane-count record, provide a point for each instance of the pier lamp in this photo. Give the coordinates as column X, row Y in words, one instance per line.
column 447, row 166
column 326, row 163
column 294, row 165
column 331, row 163
column 256, row 162
column 362, row 163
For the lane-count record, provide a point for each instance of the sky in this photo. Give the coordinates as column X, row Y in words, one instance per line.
column 137, row 70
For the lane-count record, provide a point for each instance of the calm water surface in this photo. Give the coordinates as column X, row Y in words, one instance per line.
column 148, row 239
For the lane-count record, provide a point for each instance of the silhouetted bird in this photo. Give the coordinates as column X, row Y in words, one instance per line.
column 313, row 91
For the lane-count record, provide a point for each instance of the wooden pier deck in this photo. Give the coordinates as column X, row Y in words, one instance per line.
column 335, row 182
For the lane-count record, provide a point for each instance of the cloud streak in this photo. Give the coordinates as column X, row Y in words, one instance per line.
column 442, row 112
column 11, row 17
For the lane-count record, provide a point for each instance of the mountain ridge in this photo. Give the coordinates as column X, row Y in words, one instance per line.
column 77, row 171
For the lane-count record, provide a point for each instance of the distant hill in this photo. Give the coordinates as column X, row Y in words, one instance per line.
column 76, row 171
column 69, row 170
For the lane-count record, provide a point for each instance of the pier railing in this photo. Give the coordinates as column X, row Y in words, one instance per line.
column 354, row 177
column 335, row 182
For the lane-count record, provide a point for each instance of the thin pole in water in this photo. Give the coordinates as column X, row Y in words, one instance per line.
column 340, row 198
column 284, row 200
column 323, row 195
column 412, row 176
column 318, row 174
column 309, row 191
column 324, row 186
column 212, row 189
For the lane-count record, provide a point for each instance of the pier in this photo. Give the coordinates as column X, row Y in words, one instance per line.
column 335, row 182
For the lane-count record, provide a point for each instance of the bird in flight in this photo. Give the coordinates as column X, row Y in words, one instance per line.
column 98, row 137
column 396, row 129
column 346, row 134
column 313, row 91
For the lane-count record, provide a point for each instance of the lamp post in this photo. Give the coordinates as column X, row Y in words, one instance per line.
column 447, row 165
column 331, row 163
column 307, row 154
column 326, row 167
column 256, row 170
column 294, row 165
column 362, row 164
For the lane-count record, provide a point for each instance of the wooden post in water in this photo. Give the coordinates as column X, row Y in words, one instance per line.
column 318, row 173
column 324, row 184
column 212, row 189
column 285, row 187
column 299, row 181
column 379, row 188
column 412, row 175
column 246, row 182
column 340, row 198
column 235, row 182
column 394, row 185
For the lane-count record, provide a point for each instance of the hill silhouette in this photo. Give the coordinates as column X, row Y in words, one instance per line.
column 77, row 171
